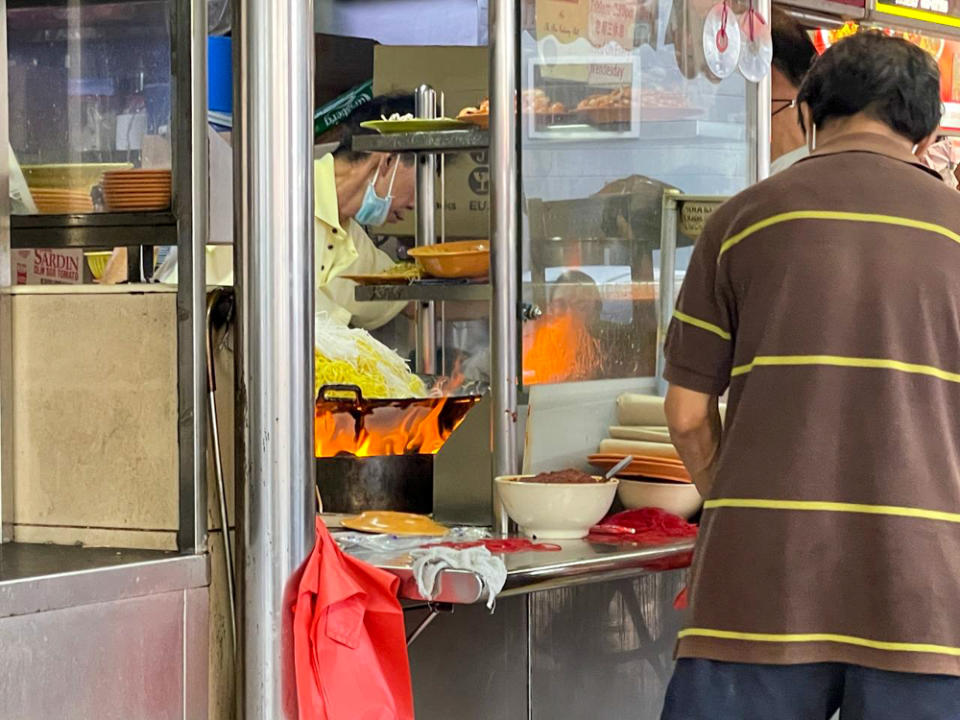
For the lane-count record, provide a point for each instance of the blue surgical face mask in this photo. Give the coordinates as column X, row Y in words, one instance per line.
column 374, row 210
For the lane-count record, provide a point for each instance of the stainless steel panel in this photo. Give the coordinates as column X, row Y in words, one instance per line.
column 472, row 139
column 603, row 651
column 109, row 661
column 504, row 246
column 462, row 472
column 196, row 653
column 668, row 260
column 759, row 105
column 190, row 177
column 6, row 328
column 578, row 562
column 471, row 665
column 426, row 355
column 41, row 578
column 273, row 271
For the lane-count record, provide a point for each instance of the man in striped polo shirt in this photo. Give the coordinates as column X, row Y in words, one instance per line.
column 827, row 300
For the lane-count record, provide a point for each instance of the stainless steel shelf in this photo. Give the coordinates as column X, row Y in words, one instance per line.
column 423, row 292
column 441, row 141
column 93, row 230
column 578, row 562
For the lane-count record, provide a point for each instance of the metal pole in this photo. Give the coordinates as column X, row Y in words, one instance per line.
column 6, row 324
column 504, row 245
column 668, row 259
column 758, row 114
column 273, row 215
column 426, row 234
column 190, row 206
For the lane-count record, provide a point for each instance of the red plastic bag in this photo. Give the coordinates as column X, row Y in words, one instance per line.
column 350, row 649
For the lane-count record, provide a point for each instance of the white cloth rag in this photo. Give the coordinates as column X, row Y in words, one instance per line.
column 428, row 563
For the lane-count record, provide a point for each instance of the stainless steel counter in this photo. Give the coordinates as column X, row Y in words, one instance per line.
column 578, row 563
column 40, row 578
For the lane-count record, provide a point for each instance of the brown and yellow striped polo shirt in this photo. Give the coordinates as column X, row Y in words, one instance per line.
column 828, row 300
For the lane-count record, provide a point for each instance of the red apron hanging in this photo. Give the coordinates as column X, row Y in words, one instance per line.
column 350, row 651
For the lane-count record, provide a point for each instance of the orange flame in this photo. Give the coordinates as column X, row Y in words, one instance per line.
column 559, row 348
column 387, row 428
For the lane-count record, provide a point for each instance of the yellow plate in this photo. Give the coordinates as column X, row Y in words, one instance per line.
column 394, row 523
column 386, row 127
column 81, row 176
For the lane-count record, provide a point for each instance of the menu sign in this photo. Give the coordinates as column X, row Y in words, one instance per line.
column 612, row 21
column 566, row 20
column 937, row 12
column 627, row 23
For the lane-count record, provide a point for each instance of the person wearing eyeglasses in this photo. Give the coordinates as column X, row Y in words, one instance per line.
column 793, row 54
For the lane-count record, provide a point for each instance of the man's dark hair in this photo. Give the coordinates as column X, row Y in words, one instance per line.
column 380, row 106
column 887, row 78
column 793, row 50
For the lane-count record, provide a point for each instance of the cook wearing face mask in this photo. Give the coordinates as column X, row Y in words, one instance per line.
column 353, row 191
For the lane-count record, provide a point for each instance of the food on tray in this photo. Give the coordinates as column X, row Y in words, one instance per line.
column 482, row 109
column 619, row 98
column 397, row 117
column 624, row 98
column 533, row 100
column 564, row 477
column 351, row 356
column 404, row 269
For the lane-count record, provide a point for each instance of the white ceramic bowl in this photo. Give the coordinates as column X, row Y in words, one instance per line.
column 678, row 498
column 555, row 511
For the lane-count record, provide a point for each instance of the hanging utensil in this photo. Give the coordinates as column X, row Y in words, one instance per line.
column 756, row 53
column 721, row 40
column 219, row 312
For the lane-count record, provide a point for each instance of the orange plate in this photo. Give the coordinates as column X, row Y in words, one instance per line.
column 460, row 259
column 394, row 523
column 645, row 468
column 136, row 187
column 133, row 207
column 378, row 279
column 617, row 457
column 120, row 197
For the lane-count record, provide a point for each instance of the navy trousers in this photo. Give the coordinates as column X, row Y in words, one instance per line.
column 709, row 690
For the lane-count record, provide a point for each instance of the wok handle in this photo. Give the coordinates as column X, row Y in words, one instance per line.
column 322, row 395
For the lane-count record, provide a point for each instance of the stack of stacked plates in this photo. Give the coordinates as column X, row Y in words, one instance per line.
column 133, row 190
column 659, row 468
column 60, row 201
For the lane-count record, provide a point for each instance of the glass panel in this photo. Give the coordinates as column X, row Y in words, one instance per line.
column 618, row 106
column 89, row 92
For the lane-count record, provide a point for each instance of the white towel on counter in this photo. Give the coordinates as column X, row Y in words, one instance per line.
column 428, row 563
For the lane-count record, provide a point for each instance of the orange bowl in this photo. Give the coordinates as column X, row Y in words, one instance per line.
column 460, row 259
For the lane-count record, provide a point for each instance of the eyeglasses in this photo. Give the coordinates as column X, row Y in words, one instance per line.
column 787, row 103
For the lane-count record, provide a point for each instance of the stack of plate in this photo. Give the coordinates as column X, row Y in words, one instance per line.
column 133, row 190
column 659, row 468
column 60, row 201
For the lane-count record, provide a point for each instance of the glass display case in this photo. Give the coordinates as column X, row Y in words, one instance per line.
column 619, row 113
column 89, row 94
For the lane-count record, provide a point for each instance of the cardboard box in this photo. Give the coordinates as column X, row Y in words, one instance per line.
column 48, row 267
column 460, row 73
column 341, row 63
